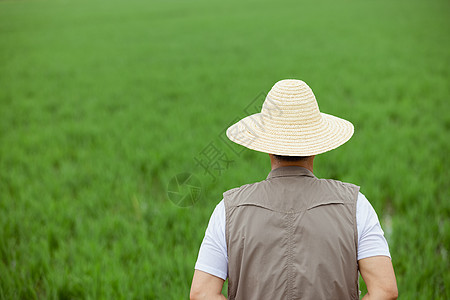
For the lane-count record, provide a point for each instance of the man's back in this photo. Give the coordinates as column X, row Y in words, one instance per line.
column 292, row 236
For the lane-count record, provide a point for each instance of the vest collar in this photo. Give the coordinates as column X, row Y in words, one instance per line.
column 290, row 171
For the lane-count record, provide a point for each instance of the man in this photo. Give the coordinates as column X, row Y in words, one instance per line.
column 293, row 236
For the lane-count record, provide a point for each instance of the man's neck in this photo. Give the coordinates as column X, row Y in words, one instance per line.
column 308, row 163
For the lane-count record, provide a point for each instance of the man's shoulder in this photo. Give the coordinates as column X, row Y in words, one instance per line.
column 337, row 182
column 244, row 187
column 342, row 188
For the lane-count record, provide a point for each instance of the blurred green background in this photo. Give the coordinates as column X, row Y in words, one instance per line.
column 102, row 103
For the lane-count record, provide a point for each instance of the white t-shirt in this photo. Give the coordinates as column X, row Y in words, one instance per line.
column 213, row 258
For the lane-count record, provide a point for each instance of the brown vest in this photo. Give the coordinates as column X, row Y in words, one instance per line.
column 292, row 236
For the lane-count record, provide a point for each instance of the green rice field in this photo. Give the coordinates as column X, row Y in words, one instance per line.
column 107, row 106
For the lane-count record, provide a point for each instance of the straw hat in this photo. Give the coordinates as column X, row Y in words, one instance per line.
column 291, row 124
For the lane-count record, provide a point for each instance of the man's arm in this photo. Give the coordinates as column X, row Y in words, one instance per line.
column 206, row 286
column 378, row 274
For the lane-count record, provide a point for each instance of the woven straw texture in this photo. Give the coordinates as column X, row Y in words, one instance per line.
column 291, row 124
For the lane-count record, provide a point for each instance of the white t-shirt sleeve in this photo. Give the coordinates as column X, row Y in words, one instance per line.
column 213, row 257
column 371, row 241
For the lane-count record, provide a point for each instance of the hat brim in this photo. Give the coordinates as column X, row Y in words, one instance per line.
column 256, row 133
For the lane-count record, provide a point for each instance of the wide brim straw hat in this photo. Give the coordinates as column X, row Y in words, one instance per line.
column 291, row 124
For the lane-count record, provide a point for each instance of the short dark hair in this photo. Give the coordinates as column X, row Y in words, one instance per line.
column 291, row 158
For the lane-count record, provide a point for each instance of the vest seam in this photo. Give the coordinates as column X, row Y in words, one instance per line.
column 355, row 230
column 227, row 239
column 289, row 252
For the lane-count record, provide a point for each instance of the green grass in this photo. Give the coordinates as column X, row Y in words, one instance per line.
column 103, row 102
